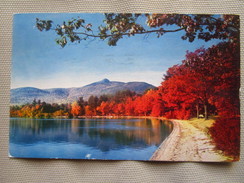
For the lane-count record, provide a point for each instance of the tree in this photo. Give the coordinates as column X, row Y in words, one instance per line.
column 89, row 111
column 103, row 98
column 129, row 107
column 81, row 103
column 177, row 96
column 118, row 25
column 227, row 73
column 34, row 102
column 75, row 109
column 93, row 103
column 59, row 113
column 158, row 108
column 120, row 96
column 104, row 108
column 120, row 109
column 208, row 78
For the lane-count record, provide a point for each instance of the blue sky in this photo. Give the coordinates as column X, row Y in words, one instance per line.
column 37, row 61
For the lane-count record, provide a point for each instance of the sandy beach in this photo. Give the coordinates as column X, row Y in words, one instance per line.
column 189, row 141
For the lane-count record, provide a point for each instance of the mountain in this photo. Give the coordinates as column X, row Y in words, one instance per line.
column 63, row 95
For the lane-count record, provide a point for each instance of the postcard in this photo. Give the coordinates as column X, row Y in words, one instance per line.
column 125, row 86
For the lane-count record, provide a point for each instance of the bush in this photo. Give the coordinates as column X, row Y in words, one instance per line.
column 226, row 134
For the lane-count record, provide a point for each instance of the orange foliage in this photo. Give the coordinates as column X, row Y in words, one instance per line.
column 75, row 109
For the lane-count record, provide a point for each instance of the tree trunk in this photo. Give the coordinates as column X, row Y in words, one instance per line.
column 205, row 111
column 197, row 108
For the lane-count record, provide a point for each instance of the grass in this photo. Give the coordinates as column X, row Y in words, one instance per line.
column 202, row 123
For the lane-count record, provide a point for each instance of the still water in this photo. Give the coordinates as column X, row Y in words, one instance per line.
column 114, row 139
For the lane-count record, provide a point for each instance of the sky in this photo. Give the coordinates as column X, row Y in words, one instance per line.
column 37, row 61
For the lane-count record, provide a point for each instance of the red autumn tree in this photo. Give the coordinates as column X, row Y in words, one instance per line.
column 129, row 107
column 177, row 96
column 89, row 111
column 206, row 78
column 104, row 108
column 120, row 109
column 158, row 108
column 75, row 109
column 218, row 69
column 226, row 98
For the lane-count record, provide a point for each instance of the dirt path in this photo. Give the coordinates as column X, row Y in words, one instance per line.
column 187, row 143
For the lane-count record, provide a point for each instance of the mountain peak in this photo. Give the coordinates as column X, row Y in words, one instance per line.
column 64, row 95
column 105, row 80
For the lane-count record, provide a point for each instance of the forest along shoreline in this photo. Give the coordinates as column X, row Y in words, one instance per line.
column 189, row 141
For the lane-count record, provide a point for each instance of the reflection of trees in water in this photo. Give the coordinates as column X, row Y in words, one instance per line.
column 103, row 134
column 38, row 126
column 143, row 132
column 30, row 131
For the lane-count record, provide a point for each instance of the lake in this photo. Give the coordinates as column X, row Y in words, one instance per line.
column 113, row 139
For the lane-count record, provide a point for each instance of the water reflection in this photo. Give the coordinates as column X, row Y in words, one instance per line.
column 101, row 134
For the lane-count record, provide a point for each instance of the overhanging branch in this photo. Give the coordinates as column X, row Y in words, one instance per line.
column 129, row 34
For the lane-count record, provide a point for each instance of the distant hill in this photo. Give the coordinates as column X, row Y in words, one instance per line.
column 63, row 95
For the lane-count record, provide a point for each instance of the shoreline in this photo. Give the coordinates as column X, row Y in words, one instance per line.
column 100, row 117
column 166, row 149
column 188, row 143
column 122, row 117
